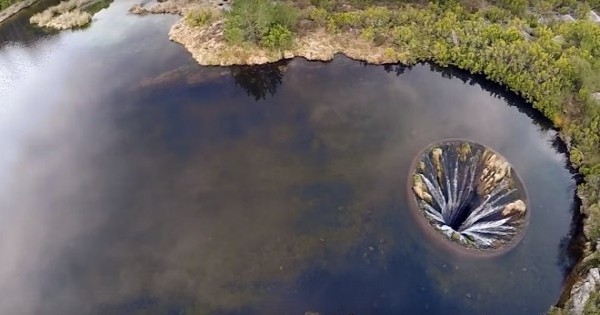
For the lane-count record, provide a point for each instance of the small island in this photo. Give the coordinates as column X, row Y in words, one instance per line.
column 65, row 15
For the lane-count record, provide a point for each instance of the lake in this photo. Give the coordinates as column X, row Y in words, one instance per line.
column 133, row 181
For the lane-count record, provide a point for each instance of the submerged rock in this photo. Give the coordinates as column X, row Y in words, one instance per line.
column 469, row 194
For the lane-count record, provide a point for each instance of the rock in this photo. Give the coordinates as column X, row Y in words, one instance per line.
column 594, row 17
column 566, row 18
column 526, row 35
column 421, row 190
column 517, row 207
column 581, row 291
column 162, row 7
column 455, row 236
column 496, row 169
column 437, row 162
column 464, row 150
column 559, row 39
column 312, row 313
column 138, row 9
column 596, row 96
column 455, row 38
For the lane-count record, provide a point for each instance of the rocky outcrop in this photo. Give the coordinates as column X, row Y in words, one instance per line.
column 518, row 207
column 581, row 291
column 495, row 169
column 15, row 8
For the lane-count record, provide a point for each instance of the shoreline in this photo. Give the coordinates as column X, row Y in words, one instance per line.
column 208, row 47
column 15, row 8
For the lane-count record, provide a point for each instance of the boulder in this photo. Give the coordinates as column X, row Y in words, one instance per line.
column 517, row 207
column 594, row 17
column 581, row 292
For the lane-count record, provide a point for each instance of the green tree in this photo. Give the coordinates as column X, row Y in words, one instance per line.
column 252, row 20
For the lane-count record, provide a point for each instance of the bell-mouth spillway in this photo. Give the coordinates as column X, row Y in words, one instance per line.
column 468, row 198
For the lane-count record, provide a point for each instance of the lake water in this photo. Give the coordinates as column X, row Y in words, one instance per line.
column 133, row 181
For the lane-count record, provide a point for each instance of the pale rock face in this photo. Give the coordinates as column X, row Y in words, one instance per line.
column 517, row 207
column 581, row 292
column 495, row 170
column 594, row 17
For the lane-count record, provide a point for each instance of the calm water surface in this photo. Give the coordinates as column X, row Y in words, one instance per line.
column 133, row 181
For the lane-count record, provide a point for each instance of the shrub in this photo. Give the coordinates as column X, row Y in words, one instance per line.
column 319, row 16
column 345, row 20
column 278, row 38
column 377, row 16
column 252, row 20
column 328, row 5
column 199, row 17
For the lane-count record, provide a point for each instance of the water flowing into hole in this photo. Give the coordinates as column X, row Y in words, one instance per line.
column 469, row 194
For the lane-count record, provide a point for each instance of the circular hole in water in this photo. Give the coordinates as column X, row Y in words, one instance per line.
column 468, row 197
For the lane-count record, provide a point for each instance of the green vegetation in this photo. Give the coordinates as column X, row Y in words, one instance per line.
column 262, row 22
column 592, row 307
column 7, row 3
column 555, row 66
column 200, row 17
column 529, row 46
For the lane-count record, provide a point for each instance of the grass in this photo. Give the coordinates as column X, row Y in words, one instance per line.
column 65, row 15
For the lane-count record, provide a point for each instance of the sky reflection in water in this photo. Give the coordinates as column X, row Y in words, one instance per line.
column 135, row 182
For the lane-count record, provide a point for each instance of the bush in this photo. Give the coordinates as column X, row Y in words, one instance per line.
column 327, row 5
column 377, row 17
column 252, row 20
column 592, row 307
column 278, row 38
column 199, row 17
column 319, row 16
column 345, row 20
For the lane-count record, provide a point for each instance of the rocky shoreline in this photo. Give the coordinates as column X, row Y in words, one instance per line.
column 15, row 8
column 208, row 47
